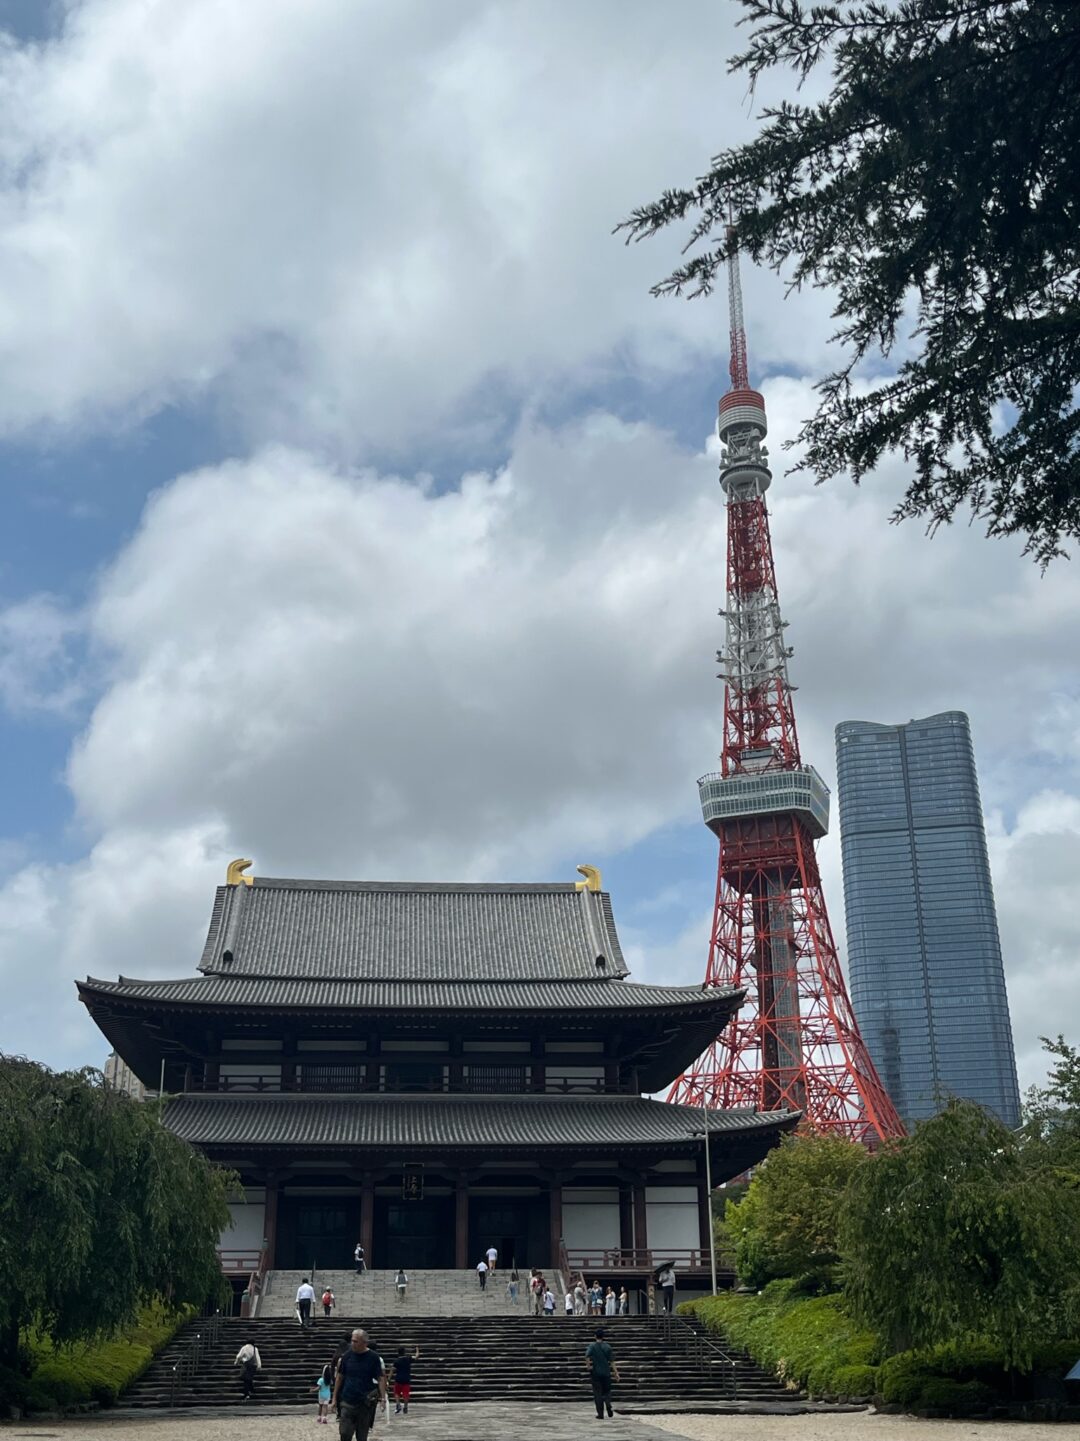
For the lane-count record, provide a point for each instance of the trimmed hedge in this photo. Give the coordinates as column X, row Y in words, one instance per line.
column 812, row 1342
column 809, row 1341
column 76, row 1375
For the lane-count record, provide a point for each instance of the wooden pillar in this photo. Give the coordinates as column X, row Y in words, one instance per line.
column 555, row 1202
column 367, row 1218
column 539, row 1065
column 461, row 1220
column 270, row 1218
column 626, row 1218
column 641, row 1229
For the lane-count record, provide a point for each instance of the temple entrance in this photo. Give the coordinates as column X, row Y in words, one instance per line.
column 414, row 1234
column 502, row 1222
column 315, row 1230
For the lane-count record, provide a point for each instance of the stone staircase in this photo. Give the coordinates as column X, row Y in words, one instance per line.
column 462, row 1359
column 429, row 1293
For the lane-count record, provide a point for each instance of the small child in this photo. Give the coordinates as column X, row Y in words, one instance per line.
column 402, row 1376
column 325, row 1388
column 569, row 1303
column 328, row 1301
column 549, row 1302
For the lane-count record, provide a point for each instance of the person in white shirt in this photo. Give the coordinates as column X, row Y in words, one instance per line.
column 667, row 1285
column 492, row 1257
column 549, row 1302
column 482, row 1272
column 401, row 1283
column 305, row 1294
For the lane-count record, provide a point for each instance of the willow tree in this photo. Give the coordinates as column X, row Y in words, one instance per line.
column 935, row 192
column 101, row 1208
column 964, row 1228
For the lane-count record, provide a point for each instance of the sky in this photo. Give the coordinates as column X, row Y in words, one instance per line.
column 360, row 506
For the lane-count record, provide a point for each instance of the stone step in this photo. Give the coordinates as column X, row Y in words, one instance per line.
column 538, row 1360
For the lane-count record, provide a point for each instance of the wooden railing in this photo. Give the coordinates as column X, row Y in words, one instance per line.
column 620, row 1258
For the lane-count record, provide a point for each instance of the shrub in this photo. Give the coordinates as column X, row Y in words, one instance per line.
column 855, row 1381
column 13, row 1388
column 939, row 1393
column 75, row 1375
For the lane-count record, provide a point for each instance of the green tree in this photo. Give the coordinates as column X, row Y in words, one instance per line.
column 101, row 1209
column 935, row 190
column 1056, row 1105
column 788, row 1222
column 964, row 1229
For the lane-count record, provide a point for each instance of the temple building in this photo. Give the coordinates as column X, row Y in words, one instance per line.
column 432, row 1069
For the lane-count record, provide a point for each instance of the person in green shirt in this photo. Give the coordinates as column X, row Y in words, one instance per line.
column 600, row 1363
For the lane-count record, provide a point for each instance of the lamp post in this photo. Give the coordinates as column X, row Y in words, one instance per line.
column 708, row 1190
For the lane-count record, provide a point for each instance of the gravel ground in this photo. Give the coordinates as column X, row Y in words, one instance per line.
column 852, row 1426
column 525, row 1423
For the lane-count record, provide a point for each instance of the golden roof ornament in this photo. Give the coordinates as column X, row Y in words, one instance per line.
column 234, row 876
column 592, row 881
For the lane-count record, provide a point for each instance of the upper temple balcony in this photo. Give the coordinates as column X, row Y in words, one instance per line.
column 799, row 792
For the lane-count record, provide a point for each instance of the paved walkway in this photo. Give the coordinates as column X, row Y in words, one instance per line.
column 478, row 1422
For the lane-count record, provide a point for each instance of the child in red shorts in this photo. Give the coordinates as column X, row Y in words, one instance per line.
column 402, row 1378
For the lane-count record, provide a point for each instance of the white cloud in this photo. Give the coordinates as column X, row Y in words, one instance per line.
column 39, row 670
column 354, row 223
column 349, row 674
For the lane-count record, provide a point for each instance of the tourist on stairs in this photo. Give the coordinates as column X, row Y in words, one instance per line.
column 482, row 1272
column 359, row 1388
column 401, row 1376
column 250, row 1363
column 600, row 1363
column 305, row 1294
column 401, row 1283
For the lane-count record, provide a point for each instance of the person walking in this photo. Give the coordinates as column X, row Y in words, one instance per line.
column 329, row 1301
column 568, row 1303
column 482, row 1271
column 600, row 1363
column 358, row 1257
column 324, row 1386
column 359, row 1387
column 401, row 1283
column 549, row 1301
column 305, row 1294
column 667, row 1286
column 492, row 1257
column 512, row 1286
column 401, row 1377
column 624, row 1302
column 250, row 1363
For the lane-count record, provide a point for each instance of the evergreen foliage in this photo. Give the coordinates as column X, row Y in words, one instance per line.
column 935, row 190
column 788, row 1222
column 102, row 1210
column 964, row 1229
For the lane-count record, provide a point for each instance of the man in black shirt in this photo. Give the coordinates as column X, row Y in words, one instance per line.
column 359, row 1388
column 600, row 1361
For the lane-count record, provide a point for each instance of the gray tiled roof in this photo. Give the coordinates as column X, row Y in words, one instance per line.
column 386, row 931
column 444, row 1122
column 513, row 997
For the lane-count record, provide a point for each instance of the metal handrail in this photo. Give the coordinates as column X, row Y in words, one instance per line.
column 703, row 1351
column 190, row 1358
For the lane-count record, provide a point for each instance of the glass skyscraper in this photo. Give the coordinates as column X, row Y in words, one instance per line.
column 924, row 955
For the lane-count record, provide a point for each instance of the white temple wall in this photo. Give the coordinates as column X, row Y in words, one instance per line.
column 671, row 1215
column 590, row 1218
column 248, row 1228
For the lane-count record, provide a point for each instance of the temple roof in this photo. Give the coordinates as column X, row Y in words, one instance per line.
column 438, row 1123
column 368, row 930
column 269, row 993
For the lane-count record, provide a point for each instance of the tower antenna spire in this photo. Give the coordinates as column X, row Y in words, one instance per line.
column 740, row 363
column 795, row 1045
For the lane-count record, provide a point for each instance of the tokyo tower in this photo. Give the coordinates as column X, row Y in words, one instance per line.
column 795, row 1044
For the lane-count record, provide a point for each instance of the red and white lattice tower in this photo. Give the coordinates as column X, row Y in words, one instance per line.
column 795, row 1044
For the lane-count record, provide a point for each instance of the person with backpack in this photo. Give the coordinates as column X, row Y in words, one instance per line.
column 329, row 1301
column 358, row 1257
column 401, row 1283
column 250, row 1363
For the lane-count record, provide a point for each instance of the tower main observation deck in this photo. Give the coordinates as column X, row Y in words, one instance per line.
column 796, row 1043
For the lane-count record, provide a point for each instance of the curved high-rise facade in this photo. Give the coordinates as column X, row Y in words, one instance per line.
column 924, row 956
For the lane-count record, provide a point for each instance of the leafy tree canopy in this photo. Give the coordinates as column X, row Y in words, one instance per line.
column 964, row 1229
column 101, row 1209
column 1052, row 1111
column 936, row 191
column 788, row 1222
